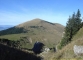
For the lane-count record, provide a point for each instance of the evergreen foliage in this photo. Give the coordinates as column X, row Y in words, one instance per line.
column 72, row 27
column 12, row 30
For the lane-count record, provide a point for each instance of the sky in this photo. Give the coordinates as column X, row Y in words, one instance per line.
column 14, row 12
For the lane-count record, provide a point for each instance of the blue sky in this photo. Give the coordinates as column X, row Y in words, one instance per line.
column 14, row 12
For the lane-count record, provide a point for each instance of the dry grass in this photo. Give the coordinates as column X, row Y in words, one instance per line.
column 67, row 52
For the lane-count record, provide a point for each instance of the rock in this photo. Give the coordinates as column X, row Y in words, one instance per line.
column 78, row 50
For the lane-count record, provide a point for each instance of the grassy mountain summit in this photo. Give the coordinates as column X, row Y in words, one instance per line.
column 39, row 23
column 36, row 30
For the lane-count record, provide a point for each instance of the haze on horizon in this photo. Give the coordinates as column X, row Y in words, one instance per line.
column 14, row 12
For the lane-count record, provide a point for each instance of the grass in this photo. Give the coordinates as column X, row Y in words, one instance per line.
column 79, row 34
column 13, row 36
column 48, row 39
column 67, row 52
column 39, row 30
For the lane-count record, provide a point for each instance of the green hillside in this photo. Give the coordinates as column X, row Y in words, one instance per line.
column 67, row 52
column 36, row 30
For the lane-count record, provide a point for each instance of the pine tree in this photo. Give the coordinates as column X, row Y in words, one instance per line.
column 72, row 27
column 78, row 19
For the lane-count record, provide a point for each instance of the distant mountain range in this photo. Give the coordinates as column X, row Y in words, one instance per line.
column 3, row 27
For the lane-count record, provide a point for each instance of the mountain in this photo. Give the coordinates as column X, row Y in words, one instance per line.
column 35, row 30
column 3, row 27
column 67, row 52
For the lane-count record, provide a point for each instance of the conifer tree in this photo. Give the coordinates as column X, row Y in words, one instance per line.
column 72, row 27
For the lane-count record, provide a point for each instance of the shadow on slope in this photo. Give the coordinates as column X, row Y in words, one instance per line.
column 8, row 53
